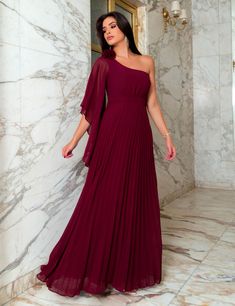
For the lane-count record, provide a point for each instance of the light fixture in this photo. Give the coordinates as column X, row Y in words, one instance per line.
column 178, row 16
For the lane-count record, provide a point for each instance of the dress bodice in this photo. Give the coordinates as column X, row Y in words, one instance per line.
column 123, row 81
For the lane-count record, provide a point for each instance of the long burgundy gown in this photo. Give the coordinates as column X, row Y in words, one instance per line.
column 114, row 234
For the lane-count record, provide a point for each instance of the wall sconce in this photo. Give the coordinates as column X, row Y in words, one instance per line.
column 177, row 14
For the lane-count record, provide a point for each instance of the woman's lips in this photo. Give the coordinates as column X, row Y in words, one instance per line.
column 110, row 37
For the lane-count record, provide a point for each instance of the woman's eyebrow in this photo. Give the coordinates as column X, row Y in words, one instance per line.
column 109, row 24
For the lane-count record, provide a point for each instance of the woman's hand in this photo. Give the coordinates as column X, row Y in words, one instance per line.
column 171, row 151
column 68, row 149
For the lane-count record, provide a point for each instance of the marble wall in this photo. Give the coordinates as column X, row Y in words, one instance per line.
column 212, row 90
column 173, row 65
column 44, row 60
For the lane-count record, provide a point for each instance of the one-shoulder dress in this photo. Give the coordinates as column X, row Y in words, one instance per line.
column 113, row 237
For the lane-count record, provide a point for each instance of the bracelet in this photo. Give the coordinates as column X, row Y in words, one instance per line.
column 165, row 135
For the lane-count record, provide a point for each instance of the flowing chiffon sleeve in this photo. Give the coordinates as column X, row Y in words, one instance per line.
column 93, row 104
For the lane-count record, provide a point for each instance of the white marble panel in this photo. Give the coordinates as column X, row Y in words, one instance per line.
column 10, row 106
column 226, row 74
column 44, row 179
column 202, row 174
column 154, row 22
column 43, row 163
column 173, row 105
column 227, row 124
column 54, row 28
column 205, row 12
column 10, row 170
column 227, row 175
column 206, row 40
column 42, row 79
column 168, row 58
column 206, row 72
column 11, row 253
column 212, row 134
column 172, row 53
column 224, row 11
column 225, row 38
column 42, row 100
column 9, row 22
column 9, row 63
column 171, row 81
column 51, row 217
column 206, row 104
column 207, row 120
column 51, row 86
column 215, row 151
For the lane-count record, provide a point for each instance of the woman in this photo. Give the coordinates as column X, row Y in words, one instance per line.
column 113, row 238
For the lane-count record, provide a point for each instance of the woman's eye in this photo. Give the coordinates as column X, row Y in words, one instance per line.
column 112, row 26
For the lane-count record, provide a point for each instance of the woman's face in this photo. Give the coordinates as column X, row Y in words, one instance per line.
column 111, row 31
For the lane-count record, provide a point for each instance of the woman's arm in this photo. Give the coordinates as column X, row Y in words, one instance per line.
column 154, row 110
column 153, row 105
column 80, row 131
column 92, row 108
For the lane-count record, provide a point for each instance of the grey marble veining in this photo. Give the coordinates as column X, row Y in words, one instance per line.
column 173, row 68
column 212, row 90
column 45, row 61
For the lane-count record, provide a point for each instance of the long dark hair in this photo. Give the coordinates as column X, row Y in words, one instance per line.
column 123, row 25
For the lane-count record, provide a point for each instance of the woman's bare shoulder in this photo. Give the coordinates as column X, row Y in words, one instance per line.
column 147, row 61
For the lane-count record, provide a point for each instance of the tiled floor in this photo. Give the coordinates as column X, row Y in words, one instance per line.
column 198, row 259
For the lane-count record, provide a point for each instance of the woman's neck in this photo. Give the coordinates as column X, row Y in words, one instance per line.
column 122, row 50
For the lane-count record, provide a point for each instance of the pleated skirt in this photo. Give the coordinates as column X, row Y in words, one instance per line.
column 114, row 234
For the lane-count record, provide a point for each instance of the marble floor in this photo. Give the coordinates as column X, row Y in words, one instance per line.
column 198, row 259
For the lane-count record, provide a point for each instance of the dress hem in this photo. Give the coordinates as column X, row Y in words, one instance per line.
column 108, row 286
